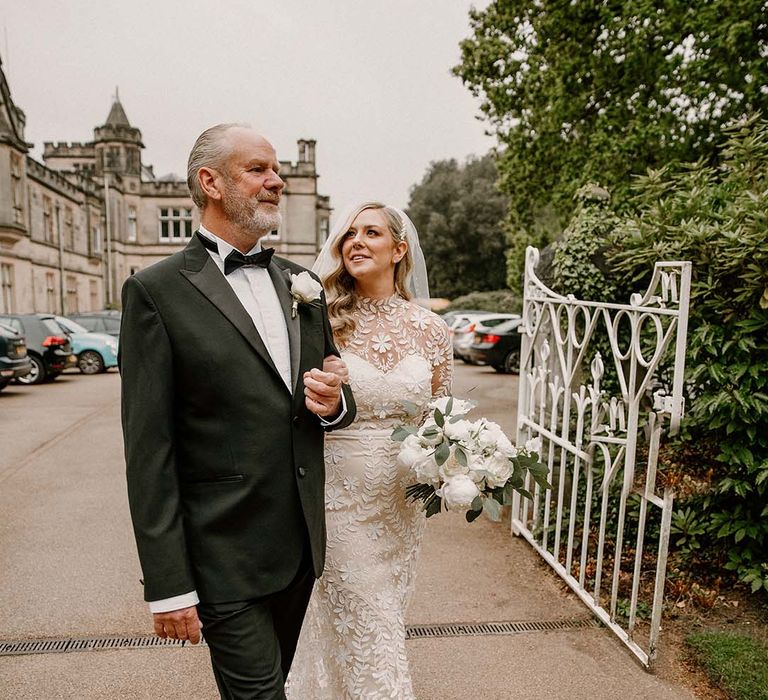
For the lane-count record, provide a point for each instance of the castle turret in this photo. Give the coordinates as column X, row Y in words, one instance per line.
column 118, row 146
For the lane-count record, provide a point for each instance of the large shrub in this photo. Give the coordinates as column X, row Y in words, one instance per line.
column 716, row 217
column 578, row 265
column 499, row 301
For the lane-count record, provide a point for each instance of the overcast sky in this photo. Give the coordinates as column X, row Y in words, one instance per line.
column 369, row 80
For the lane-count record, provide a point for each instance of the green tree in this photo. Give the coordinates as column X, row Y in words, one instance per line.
column 459, row 213
column 580, row 91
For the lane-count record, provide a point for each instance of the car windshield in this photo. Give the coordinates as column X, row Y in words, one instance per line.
column 507, row 325
column 491, row 322
column 70, row 326
column 52, row 327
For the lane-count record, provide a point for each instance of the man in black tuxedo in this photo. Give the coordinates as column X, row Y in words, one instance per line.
column 226, row 393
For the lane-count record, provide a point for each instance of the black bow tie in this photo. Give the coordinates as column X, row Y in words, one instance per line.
column 235, row 260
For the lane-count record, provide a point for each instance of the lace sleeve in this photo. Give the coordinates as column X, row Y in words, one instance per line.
column 442, row 358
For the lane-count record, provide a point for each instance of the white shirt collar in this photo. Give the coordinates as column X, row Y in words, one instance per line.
column 224, row 247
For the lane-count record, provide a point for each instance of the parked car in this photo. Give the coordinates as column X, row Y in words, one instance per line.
column 96, row 352
column 464, row 333
column 14, row 361
column 497, row 345
column 455, row 317
column 48, row 347
column 99, row 321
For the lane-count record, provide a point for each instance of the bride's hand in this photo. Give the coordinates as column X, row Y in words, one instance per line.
column 335, row 365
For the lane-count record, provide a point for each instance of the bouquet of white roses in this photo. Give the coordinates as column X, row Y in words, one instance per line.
column 465, row 465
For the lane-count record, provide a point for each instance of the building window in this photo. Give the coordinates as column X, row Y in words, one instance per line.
column 323, row 230
column 93, row 286
column 132, row 229
column 17, row 190
column 48, row 219
column 50, row 292
column 72, row 294
column 69, row 228
column 113, row 158
column 96, row 240
column 175, row 225
column 6, row 288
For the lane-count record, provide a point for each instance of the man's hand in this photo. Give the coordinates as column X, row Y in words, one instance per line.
column 336, row 365
column 179, row 624
column 322, row 392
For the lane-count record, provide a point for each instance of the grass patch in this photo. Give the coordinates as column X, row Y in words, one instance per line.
column 739, row 664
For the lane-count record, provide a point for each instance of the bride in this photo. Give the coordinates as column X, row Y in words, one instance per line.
column 397, row 353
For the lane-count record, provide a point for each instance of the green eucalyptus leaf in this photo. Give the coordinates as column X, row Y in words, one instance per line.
column 400, row 433
column 492, row 508
column 472, row 515
column 411, row 409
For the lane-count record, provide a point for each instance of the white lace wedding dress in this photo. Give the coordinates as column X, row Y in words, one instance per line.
column 352, row 644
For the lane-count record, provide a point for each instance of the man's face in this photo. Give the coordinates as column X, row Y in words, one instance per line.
column 251, row 184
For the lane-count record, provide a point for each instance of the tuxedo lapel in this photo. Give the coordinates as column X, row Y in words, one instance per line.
column 281, row 281
column 202, row 272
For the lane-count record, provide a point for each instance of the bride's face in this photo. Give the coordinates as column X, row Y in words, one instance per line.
column 369, row 250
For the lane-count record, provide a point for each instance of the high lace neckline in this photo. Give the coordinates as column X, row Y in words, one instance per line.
column 374, row 304
column 391, row 328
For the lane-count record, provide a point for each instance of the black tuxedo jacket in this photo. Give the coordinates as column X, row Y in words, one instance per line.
column 224, row 464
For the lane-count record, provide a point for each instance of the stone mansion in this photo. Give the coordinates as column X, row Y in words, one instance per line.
column 75, row 226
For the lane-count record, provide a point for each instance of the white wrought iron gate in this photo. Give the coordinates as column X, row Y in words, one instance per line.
column 591, row 388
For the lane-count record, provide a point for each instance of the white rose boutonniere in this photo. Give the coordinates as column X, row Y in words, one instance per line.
column 304, row 290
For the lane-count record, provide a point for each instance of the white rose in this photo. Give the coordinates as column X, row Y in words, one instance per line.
column 496, row 468
column 461, row 431
column 474, row 462
column 505, row 446
column 458, row 408
column 436, row 433
column 419, row 460
column 305, row 288
column 491, row 436
column 426, row 471
column 451, row 467
column 533, row 445
column 411, row 452
column 459, row 492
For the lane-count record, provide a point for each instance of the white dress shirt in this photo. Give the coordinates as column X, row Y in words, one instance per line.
column 254, row 289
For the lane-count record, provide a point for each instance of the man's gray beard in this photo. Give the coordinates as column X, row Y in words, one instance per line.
column 247, row 215
column 265, row 221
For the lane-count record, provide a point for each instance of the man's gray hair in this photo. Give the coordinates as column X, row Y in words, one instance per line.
column 211, row 150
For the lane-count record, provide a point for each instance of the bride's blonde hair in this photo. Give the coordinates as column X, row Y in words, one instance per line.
column 341, row 296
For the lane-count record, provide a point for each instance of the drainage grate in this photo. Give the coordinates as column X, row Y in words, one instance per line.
column 56, row 646
column 474, row 629
column 68, row 644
